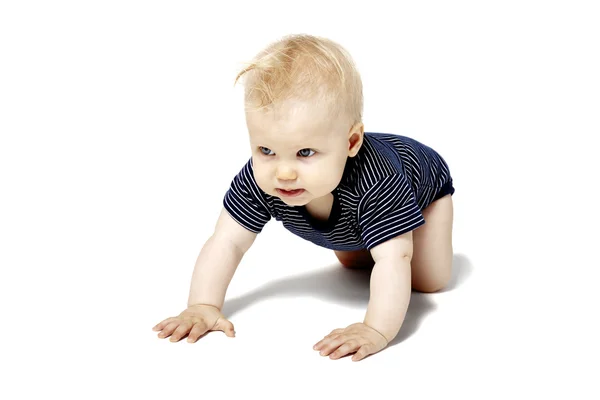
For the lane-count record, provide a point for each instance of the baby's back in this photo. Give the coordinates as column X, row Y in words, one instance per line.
column 424, row 168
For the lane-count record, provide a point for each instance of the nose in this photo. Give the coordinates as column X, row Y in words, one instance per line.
column 285, row 173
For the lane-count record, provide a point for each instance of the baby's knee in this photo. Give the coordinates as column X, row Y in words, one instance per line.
column 355, row 259
column 432, row 283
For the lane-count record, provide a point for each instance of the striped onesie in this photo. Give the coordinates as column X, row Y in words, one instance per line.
column 381, row 195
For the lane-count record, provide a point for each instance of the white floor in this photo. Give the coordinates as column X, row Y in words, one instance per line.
column 120, row 133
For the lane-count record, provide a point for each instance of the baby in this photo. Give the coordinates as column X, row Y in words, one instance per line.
column 378, row 200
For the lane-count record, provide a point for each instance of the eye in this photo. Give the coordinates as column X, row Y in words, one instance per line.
column 265, row 151
column 306, row 152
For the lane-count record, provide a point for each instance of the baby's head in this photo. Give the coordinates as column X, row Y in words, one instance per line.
column 303, row 103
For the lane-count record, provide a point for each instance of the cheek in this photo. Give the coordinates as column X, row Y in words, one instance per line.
column 261, row 175
column 317, row 175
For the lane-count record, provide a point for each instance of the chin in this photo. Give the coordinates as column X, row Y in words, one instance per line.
column 294, row 202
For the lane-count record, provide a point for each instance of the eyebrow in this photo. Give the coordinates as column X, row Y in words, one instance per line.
column 298, row 148
column 258, row 141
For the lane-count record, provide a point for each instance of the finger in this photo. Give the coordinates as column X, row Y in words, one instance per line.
column 332, row 345
column 318, row 345
column 181, row 331
column 364, row 351
column 225, row 326
column 199, row 329
column 348, row 347
column 162, row 324
column 336, row 331
column 323, row 342
column 167, row 330
column 327, row 339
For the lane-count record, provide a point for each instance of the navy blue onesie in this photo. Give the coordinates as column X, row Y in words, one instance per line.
column 382, row 193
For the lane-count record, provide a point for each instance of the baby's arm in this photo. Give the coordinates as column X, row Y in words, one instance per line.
column 213, row 271
column 388, row 302
column 218, row 260
column 390, row 285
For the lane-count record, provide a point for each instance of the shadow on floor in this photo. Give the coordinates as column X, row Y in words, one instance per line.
column 349, row 287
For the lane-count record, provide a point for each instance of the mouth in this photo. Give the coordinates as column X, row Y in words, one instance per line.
column 290, row 193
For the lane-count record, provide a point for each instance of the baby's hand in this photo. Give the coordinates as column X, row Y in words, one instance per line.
column 359, row 338
column 195, row 320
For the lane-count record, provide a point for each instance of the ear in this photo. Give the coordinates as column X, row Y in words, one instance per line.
column 355, row 138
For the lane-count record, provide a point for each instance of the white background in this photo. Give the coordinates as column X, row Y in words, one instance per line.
column 121, row 131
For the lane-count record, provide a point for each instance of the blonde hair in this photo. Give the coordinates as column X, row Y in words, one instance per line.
column 307, row 68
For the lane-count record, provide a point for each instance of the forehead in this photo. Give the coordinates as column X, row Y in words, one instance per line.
column 294, row 122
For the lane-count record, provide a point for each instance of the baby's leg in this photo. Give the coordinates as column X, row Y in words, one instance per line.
column 431, row 265
column 355, row 259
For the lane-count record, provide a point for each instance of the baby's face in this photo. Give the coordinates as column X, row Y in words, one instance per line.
column 298, row 153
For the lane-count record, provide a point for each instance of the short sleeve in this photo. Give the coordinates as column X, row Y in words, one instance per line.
column 388, row 209
column 245, row 201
